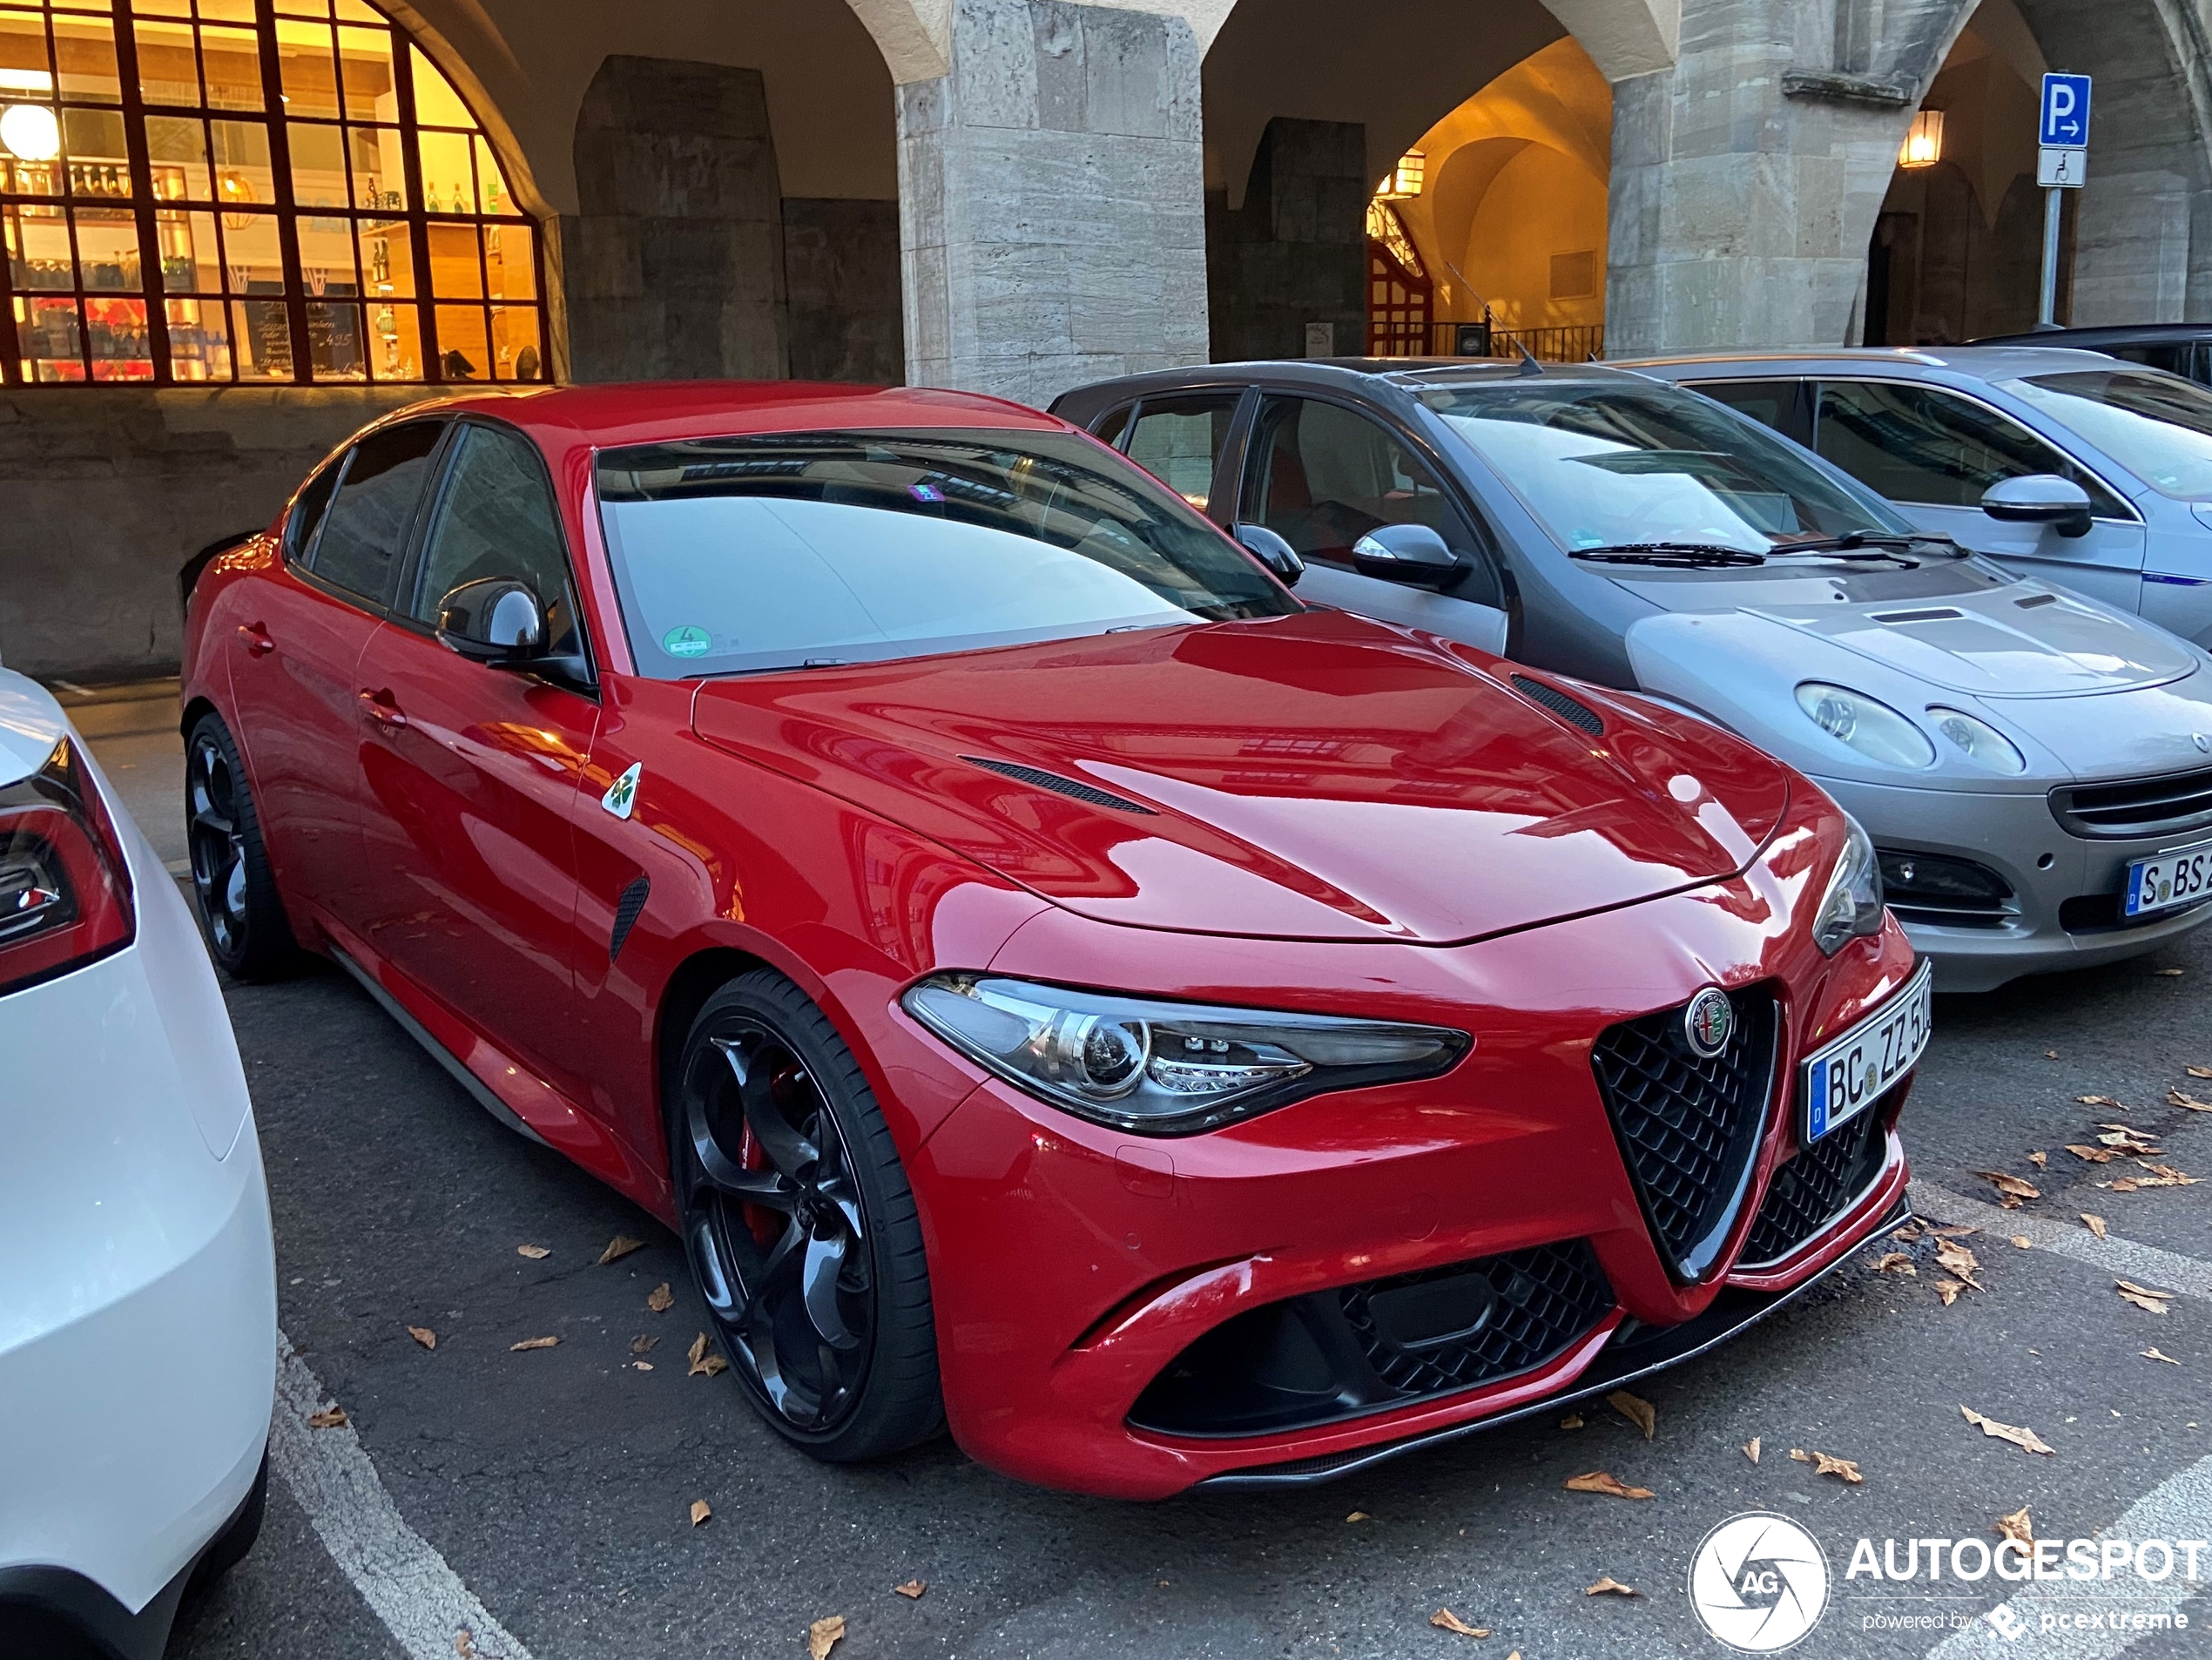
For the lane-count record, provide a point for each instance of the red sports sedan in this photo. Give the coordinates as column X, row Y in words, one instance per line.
column 1060, row 986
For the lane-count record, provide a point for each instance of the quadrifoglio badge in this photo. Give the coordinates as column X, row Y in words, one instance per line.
column 1760, row 1583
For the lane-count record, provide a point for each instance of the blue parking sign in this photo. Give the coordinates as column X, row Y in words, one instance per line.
column 2066, row 112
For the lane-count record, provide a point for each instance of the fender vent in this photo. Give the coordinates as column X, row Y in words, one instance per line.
column 1038, row 778
column 626, row 910
column 1568, row 709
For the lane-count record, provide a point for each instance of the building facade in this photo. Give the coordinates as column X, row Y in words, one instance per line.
column 237, row 228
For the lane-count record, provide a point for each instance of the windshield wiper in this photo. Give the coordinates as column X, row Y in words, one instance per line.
column 1878, row 545
column 1679, row 556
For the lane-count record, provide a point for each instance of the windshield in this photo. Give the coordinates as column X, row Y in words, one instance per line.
column 1605, row 465
column 799, row 550
column 2159, row 427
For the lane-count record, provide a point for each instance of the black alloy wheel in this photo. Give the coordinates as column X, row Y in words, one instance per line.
column 799, row 1226
column 244, row 921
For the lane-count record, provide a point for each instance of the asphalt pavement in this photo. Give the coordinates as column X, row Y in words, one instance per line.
column 552, row 1488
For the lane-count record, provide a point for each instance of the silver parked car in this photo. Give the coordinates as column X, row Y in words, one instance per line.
column 2034, row 767
column 2089, row 472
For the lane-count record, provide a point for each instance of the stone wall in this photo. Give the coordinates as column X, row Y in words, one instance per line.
column 1297, row 251
column 841, row 273
column 109, row 492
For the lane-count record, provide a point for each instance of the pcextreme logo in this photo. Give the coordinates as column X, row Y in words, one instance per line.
column 1759, row 1582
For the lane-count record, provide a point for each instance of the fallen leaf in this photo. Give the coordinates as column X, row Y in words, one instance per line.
column 329, row 1420
column 1572, row 1420
column 2095, row 1224
column 2178, row 1099
column 1895, row 1262
column 2153, row 1355
column 1822, row 1464
column 705, row 1361
column 2099, row 1101
column 2010, row 1188
column 2016, row 1526
column 2161, row 1176
column 1637, row 1410
column 423, row 1335
column 2125, row 1184
column 2128, row 1139
column 1752, row 1449
column 642, row 1344
column 1444, row 1620
column 464, row 1644
column 1610, row 1584
column 1907, row 1234
column 533, row 1343
column 660, row 1300
column 2143, row 1296
column 2026, row 1440
column 700, row 1511
column 1958, row 1261
column 1948, row 1290
column 619, row 1248
column 641, row 1366
column 2041, row 1161
column 823, row 1636
column 2023, row 1242
column 911, row 1589
column 2050, row 1055
column 2169, row 973
column 1605, row 1482
column 1358, row 1515
column 2199, row 1071
column 2094, row 1155
column 536, row 1253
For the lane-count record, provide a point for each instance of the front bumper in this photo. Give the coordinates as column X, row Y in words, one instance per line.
column 2064, row 914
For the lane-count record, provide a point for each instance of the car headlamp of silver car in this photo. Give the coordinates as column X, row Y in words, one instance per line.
column 1166, row 1069
column 1977, row 740
column 1864, row 724
column 1851, row 906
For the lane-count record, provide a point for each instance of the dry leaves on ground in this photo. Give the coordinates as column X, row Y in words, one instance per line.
column 1956, row 1260
column 823, row 1636
column 2198, row 1072
column 2041, row 1160
column 1895, row 1262
column 1949, row 1290
column 2100, row 1101
column 2011, row 1190
column 1907, row 1234
column 641, row 1366
column 1572, row 1420
column 1637, row 1410
column 642, row 1344
column 2016, row 1526
column 2026, row 1440
column 1609, row 1585
column 536, row 1253
column 2021, row 1242
column 911, row 1589
column 1822, row 1464
column 701, row 1510
column 2161, row 1176
column 423, row 1335
column 619, row 1248
column 1444, row 1620
column 1358, row 1515
column 660, row 1300
column 2143, row 1296
column 1752, row 1449
column 464, row 1643
column 1605, row 1482
column 2094, row 1155
column 2095, row 1224
column 2180, row 1099
column 2128, row 1139
column 706, row 1362
column 329, row 1419
column 534, row 1343
column 2155, row 1354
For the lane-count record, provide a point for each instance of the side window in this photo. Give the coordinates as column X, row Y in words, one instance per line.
column 1178, row 441
column 307, row 510
column 1779, row 404
column 365, row 528
column 1921, row 444
column 1321, row 476
column 1109, row 429
column 496, row 517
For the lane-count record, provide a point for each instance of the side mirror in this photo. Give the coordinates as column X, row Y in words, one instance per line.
column 1272, row 552
column 1412, row 554
column 2039, row 498
column 494, row 619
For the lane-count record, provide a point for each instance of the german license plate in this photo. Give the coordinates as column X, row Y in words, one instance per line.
column 1843, row 1077
column 2172, row 879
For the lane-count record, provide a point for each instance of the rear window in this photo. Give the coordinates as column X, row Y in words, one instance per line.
column 787, row 550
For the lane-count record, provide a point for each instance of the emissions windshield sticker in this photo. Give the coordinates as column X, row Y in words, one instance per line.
column 686, row 642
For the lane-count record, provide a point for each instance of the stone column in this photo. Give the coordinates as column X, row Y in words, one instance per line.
column 1051, row 201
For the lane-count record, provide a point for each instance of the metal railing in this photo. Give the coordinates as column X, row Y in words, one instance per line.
column 1563, row 343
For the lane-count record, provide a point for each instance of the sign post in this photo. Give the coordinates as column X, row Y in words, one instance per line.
column 2061, row 163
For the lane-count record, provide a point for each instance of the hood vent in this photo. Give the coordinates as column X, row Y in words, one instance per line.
column 1568, row 709
column 1941, row 614
column 1090, row 795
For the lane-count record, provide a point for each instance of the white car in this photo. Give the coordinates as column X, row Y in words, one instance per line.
column 138, row 1277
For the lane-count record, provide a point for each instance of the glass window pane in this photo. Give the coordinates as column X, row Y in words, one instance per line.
column 168, row 70
column 437, row 104
column 244, row 175
column 177, row 147
column 84, row 53
column 107, row 247
column 30, row 148
column 388, row 260
column 232, row 58
column 365, row 64
column 122, row 348
column 262, row 331
column 1916, row 443
column 327, row 258
column 23, row 56
column 368, row 518
column 253, row 261
column 199, row 340
column 99, row 165
column 310, row 71
column 358, row 11
column 1178, row 441
column 335, row 341
column 454, row 272
column 514, row 356
column 379, row 170
column 491, row 184
column 446, row 187
column 38, row 252
column 50, row 339
column 303, row 9
column 163, row 7
column 318, row 165
column 192, row 259
column 83, row 5
column 394, row 343
column 464, row 351
column 496, row 518
column 509, row 266
column 227, row 10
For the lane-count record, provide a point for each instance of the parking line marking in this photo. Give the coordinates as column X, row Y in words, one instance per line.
column 405, row 1583
column 2125, row 1258
column 2176, row 1509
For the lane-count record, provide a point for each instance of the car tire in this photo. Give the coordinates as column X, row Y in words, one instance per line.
column 235, row 895
column 799, row 1226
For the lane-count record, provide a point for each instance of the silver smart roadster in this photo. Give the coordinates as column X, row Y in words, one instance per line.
column 2034, row 767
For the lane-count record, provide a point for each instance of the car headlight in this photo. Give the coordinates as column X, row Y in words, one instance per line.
column 1164, row 1069
column 1851, row 906
column 1980, row 742
column 1874, row 729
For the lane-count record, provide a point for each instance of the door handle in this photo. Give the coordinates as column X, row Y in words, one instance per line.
column 381, row 708
column 255, row 637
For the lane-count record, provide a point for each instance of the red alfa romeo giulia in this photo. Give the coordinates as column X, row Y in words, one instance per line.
column 1060, row 986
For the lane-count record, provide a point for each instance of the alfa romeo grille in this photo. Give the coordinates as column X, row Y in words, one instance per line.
column 2142, row 806
column 1812, row 1190
column 1688, row 1126
column 1544, row 1300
